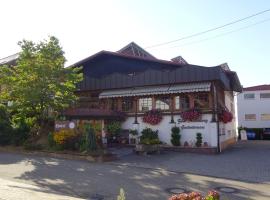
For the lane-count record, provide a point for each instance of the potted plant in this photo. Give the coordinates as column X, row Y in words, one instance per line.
column 149, row 141
column 133, row 134
column 114, row 129
column 186, row 144
column 175, row 140
column 199, row 140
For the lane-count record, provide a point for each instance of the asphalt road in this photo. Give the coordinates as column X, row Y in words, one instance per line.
column 36, row 176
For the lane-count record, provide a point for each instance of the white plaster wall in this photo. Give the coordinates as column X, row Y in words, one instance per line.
column 256, row 106
column 228, row 130
column 209, row 130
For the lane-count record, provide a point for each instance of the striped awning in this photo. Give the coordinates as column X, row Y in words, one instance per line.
column 144, row 91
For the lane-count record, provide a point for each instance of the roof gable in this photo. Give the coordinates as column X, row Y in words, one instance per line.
column 179, row 60
column 132, row 49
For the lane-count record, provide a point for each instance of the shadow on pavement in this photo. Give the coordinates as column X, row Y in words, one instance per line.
column 103, row 180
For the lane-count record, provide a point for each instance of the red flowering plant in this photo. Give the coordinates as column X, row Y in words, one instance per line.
column 191, row 115
column 225, row 116
column 212, row 195
column 152, row 117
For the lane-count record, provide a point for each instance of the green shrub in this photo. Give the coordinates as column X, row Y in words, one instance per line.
column 175, row 140
column 114, row 128
column 149, row 136
column 199, row 139
column 21, row 132
column 51, row 141
column 6, row 130
column 88, row 140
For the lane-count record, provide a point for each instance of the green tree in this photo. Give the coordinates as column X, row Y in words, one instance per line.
column 39, row 83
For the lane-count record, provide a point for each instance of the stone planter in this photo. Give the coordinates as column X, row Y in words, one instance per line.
column 147, row 148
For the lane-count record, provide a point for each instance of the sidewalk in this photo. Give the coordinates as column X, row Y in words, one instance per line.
column 11, row 190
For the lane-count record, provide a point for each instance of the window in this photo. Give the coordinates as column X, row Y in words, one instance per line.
column 182, row 102
column 250, row 117
column 113, row 104
column 163, row 103
column 201, row 101
column 265, row 95
column 127, row 105
column 145, row 104
column 265, row 117
column 249, row 96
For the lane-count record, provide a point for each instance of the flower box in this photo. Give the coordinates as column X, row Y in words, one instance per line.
column 147, row 148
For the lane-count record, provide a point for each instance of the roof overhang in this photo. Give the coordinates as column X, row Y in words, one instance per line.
column 93, row 113
column 155, row 90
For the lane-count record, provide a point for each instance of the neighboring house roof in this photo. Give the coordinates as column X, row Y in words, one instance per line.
column 257, row 87
column 10, row 60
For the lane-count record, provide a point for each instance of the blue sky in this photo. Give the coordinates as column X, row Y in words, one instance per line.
column 85, row 27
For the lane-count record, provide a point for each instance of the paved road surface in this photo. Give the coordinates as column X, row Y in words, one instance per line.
column 141, row 177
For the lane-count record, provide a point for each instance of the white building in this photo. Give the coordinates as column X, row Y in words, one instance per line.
column 133, row 82
column 254, row 107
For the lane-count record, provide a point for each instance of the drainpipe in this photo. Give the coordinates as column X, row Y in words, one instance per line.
column 136, row 111
column 216, row 109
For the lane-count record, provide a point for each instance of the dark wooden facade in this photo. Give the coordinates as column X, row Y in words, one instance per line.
column 107, row 71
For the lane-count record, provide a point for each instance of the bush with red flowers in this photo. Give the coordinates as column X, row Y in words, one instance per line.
column 225, row 116
column 152, row 117
column 191, row 115
column 211, row 195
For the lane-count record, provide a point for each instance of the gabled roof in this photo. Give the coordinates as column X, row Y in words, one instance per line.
column 103, row 52
column 10, row 60
column 111, row 70
column 257, row 87
column 132, row 49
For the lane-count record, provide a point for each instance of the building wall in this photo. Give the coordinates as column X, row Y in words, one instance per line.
column 188, row 130
column 228, row 133
column 256, row 106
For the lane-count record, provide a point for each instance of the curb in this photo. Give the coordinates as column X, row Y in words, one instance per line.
column 63, row 155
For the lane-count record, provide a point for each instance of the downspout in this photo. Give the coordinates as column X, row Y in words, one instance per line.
column 216, row 110
column 136, row 111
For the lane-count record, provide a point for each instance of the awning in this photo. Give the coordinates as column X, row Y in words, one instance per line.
column 169, row 89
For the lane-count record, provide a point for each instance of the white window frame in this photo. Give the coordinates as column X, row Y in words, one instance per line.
column 245, row 96
column 268, row 93
column 266, row 117
column 145, row 101
column 250, row 119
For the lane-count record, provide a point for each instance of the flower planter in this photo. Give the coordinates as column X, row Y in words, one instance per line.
column 147, row 148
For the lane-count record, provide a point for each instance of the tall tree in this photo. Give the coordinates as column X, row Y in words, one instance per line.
column 39, row 83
